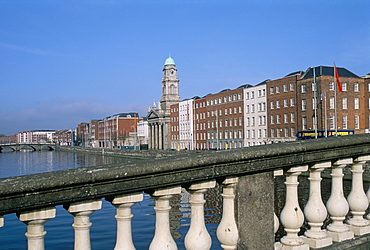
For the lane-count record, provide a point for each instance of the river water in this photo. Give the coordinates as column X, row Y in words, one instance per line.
column 60, row 234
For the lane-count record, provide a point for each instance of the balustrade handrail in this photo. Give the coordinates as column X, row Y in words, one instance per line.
column 24, row 193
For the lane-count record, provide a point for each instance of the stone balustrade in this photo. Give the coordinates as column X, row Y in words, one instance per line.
column 249, row 220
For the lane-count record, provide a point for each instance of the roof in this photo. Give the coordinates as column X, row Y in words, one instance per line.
column 264, row 82
column 169, row 61
column 300, row 72
column 127, row 115
column 328, row 71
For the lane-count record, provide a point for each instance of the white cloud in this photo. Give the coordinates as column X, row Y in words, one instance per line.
column 34, row 51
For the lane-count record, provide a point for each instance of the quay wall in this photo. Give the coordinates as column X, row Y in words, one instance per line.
column 123, row 152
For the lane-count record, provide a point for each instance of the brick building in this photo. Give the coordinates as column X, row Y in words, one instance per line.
column 282, row 109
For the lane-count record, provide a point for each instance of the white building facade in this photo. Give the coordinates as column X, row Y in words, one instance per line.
column 255, row 115
column 186, row 124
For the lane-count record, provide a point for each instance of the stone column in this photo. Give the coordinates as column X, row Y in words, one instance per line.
column 150, row 139
column 227, row 231
column 337, row 205
column 160, row 136
column 162, row 237
column 198, row 237
column 1, row 221
column 254, row 210
column 81, row 212
column 357, row 199
column 123, row 204
column 156, row 135
column 291, row 216
column 35, row 221
column 315, row 210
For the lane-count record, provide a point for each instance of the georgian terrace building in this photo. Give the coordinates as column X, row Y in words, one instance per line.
column 291, row 103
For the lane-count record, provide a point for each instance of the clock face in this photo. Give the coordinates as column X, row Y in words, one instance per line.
column 172, row 72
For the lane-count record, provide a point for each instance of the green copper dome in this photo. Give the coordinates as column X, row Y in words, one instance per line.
column 169, row 61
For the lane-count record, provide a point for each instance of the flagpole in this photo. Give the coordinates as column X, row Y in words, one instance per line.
column 335, row 100
column 315, row 101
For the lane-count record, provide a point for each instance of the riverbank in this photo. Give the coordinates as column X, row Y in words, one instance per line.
column 136, row 154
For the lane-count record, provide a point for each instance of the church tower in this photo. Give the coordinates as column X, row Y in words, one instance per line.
column 159, row 117
column 170, row 85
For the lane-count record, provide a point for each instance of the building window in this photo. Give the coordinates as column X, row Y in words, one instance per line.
column 303, row 88
column 331, row 103
column 332, row 122
column 304, row 105
column 286, row 118
column 291, row 102
column 286, row 132
column 252, row 95
column 277, row 119
column 355, row 87
column 331, row 86
column 357, row 122
column 278, row 104
column 292, row 117
column 344, row 121
column 291, row 86
column 344, row 103
column 272, row 106
column 285, row 103
column 277, row 89
column 304, row 123
column 292, row 132
column 357, row 103
column 272, row 132
column 344, row 86
column 314, row 105
column 285, row 87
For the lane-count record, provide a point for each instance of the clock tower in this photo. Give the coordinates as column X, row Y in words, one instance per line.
column 170, row 85
column 159, row 116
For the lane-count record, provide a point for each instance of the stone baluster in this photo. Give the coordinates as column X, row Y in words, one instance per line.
column 123, row 204
column 357, row 199
column 291, row 216
column 337, row 204
column 315, row 210
column 368, row 197
column 35, row 221
column 227, row 231
column 278, row 172
column 82, row 212
column 198, row 237
column 162, row 237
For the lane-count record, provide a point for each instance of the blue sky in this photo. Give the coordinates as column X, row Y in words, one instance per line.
column 66, row 62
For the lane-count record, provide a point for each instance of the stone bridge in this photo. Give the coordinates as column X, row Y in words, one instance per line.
column 32, row 146
column 247, row 176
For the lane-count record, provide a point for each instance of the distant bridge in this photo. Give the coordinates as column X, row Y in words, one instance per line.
column 32, row 146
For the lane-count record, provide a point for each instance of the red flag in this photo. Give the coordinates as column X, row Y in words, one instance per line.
column 336, row 77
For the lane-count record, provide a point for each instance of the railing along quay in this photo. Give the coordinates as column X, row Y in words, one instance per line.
column 247, row 177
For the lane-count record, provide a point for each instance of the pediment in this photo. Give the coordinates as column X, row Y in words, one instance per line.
column 152, row 115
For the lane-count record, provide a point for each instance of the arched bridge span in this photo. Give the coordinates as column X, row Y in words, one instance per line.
column 32, row 146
